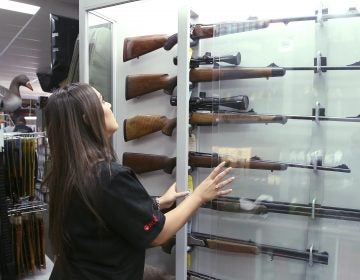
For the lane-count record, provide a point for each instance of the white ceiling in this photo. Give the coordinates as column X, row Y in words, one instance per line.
column 25, row 40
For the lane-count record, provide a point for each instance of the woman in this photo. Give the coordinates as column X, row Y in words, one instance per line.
column 101, row 217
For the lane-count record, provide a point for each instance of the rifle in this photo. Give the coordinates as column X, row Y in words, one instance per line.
column 234, row 204
column 142, row 125
column 207, row 59
column 138, row 85
column 140, row 45
column 142, row 163
column 247, row 247
column 323, row 67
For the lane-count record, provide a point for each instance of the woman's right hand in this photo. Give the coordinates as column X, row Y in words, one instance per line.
column 211, row 187
column 208, row 189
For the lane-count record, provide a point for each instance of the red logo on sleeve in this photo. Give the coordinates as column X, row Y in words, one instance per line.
column 149, row 225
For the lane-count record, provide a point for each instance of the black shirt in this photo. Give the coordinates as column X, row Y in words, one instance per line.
column 132, row 224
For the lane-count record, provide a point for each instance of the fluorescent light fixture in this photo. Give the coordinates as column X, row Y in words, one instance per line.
column 18, row 7
column 30, row 118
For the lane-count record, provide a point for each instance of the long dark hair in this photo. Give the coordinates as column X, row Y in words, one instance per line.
column 75, row 127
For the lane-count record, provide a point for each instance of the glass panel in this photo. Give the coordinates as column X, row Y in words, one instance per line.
column 279, row 202
column 100, row 55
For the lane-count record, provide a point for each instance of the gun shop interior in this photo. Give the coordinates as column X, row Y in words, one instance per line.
column 268, row 88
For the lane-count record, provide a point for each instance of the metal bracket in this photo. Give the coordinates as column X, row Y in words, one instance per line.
column 319, row 15
column 317, row 112
column 313, row 209
column 320, row 18
column 316, row 160
column 311, row 262
column 320, row 61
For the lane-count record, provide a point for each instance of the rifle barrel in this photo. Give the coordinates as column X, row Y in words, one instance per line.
column 342, row 168
column 233, row 73
column 283, row 208
column 322, row 68
column 317, row 257
column 322, row 118
column 308, row 18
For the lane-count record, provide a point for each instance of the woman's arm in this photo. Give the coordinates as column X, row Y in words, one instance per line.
column 208, row 189
column 168, row 199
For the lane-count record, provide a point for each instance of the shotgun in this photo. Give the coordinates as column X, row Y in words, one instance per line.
column 247, row 247
column 142, row 163
column 140, row 45
column 252, row 206
column 141, row 84
column 141, row 125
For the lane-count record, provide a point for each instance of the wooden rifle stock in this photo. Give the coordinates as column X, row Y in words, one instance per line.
column 139, row 45
column 233, row 73
column 227, row 246
column 208, row 160
column 215, row 244
column 142, row 125
column 142, row 163
column 137, row 85
column 200, row 118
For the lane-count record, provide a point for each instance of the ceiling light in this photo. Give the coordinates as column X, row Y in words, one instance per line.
column 18, row 7
column 30, row 118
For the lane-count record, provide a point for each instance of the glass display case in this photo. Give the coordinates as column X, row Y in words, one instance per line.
column 272, row 91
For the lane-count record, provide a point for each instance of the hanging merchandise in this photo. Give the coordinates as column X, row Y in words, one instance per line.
column 21, row 167
column 22, row 228
column 27, row 226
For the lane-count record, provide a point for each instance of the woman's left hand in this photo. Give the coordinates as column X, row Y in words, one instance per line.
column 170, row 196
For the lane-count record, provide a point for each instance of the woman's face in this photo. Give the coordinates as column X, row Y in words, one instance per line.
column 111, row 124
